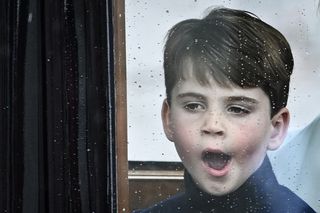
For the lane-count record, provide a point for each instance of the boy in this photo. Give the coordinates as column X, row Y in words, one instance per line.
column 227, row 81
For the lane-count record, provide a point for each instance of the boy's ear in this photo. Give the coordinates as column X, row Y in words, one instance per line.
column 166, row 120
column 280, row 124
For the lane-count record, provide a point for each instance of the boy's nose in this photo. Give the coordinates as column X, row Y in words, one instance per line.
column 213, row 125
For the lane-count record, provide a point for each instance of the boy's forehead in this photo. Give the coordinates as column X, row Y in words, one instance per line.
column 201, row 73
column 190, row 84
column 191, row 69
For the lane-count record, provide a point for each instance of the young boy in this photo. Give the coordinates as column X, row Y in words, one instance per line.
column 227, row 81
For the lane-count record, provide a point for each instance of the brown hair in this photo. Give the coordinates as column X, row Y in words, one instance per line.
column 234, row 47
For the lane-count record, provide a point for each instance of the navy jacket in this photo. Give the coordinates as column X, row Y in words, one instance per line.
column 261, row 193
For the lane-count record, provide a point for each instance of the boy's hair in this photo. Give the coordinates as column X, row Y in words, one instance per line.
column 234, row 47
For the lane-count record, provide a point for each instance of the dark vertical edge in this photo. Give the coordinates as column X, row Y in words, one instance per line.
column 72, row 99
column 96, row 44
column 6, row 8
column 17, row 105
column 121, row 105
column 90, row 107
column 111, row 145
column 80, row 26
column 62, row 97
column 43, row 202
column 55, row 108
column 13, row 42
column 33, row 112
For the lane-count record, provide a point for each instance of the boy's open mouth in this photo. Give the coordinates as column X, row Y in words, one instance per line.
column 216, row 160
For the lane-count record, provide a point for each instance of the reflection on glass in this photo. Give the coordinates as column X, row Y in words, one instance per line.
column 151, row 154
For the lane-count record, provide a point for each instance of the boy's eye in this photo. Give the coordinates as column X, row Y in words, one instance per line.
column 194, row 107
column 238, row 110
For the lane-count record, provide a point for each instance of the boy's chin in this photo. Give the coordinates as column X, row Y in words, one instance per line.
column 219, row 192
column 219, row 189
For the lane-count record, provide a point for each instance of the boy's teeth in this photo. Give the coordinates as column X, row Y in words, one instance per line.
column 216, row 161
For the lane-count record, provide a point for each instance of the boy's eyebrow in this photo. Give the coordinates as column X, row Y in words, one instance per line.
column 242, row 99
column 191, row 94
column 229, row 98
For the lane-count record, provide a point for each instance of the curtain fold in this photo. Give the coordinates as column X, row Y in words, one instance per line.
column 13, row 21
column 57, row 107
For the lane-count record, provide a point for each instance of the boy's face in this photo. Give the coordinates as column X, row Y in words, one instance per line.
column 221, row 134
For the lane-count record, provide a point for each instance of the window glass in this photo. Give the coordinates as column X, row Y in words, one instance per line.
column 148, row 21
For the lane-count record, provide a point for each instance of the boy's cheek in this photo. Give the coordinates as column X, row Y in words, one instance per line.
column 184, row 136
column 186, row 151
column 250, row 144
column 182, row 132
